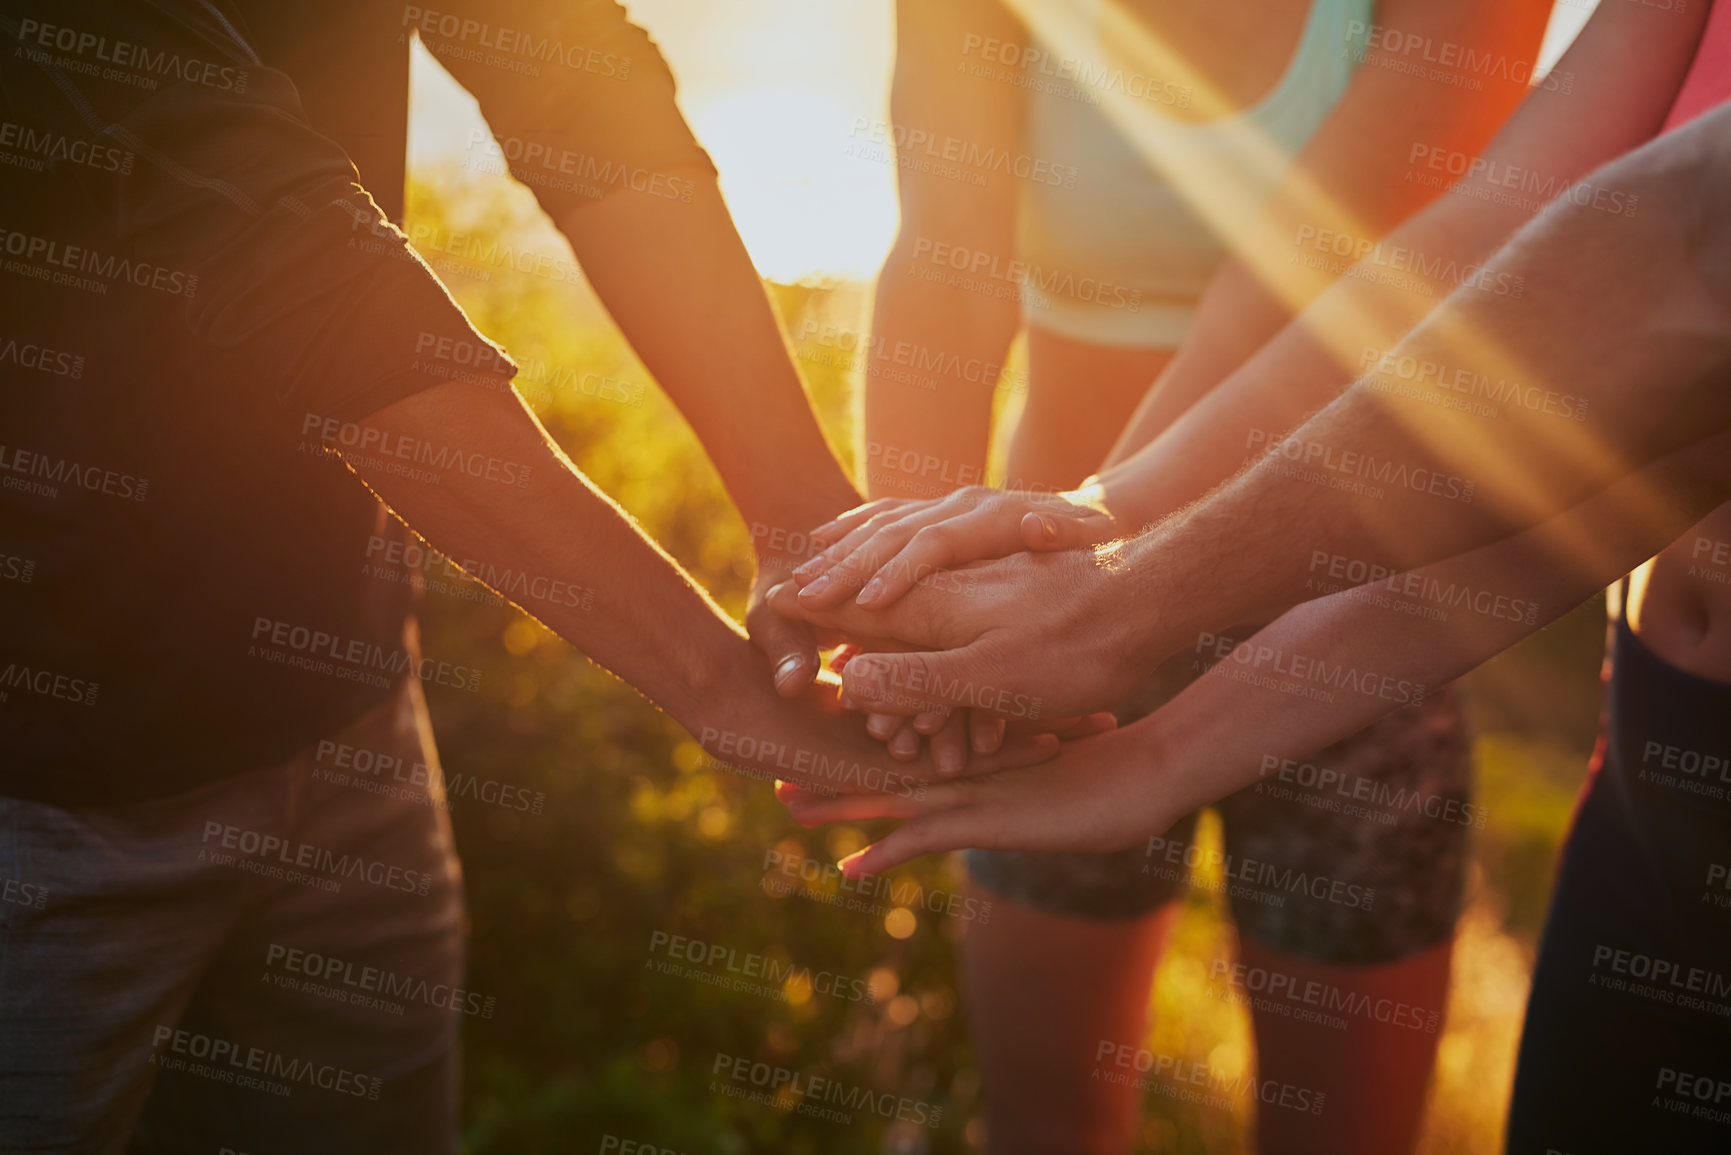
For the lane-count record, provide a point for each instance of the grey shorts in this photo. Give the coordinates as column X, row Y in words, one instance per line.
column 1355, row 855
column 269, row 959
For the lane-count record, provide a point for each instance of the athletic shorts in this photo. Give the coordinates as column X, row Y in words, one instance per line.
column 1355, row 855
column 1627, row 1044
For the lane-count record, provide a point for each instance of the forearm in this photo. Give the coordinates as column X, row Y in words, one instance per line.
column 1625, row 325
column 1332, row 666
column 681, row 287
column 546, row 539
column 1219, row 387
column 937, row 349
column 1352, row 179
column 934, row 361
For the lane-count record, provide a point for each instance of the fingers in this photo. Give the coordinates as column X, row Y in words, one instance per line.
column 985, row 732
column 812, row 573
column 864, row 626
column 832, row 531
column 790, row 646
column 950, row 744
column 883, row 727
column 809, row 808
column 1050, row 532
column 910, row 683
column 945, row 830
column 931, row 722
column 905, row 745
column 875, row 567
column 919, row 546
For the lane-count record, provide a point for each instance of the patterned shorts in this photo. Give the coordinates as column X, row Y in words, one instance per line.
column 1355, row 855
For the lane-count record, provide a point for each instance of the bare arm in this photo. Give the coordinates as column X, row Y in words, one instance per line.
column 1618, row 353
column 944, row 414
column 1626, row 324
column 1626, row 67
column 1623, row 72
column 508, row 501
column 655, row 239
column 678, row 281
column 1321, row 672
column 1353, row 178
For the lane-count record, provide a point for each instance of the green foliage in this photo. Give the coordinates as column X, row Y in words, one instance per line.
column 639, row 834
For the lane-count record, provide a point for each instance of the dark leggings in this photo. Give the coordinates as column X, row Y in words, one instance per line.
column 1627, row 1044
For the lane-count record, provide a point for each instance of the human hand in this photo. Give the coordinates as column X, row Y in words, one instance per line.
column 814, row 741
column 1029, row 636
column 1099, row 794
column 790, row 646
column 882, row 549
column 952, row 734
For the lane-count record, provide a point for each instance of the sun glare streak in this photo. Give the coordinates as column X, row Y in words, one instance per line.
column 1265, row 246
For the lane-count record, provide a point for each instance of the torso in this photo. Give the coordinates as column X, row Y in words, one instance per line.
column 1081, row 394
column 1242, row 49
column 1680, row 601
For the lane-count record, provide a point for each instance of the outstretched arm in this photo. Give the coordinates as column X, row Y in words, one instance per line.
column 1625, row 68
column 305, row 287
column 1353, row 179
column 1623, row 72
column 1321, row 672
column 495, row 493
column 1617, row 354
column 1626, row 323
column 602, row 144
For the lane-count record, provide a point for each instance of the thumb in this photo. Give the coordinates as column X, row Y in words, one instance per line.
column 790, row 646
column 1048, row 533
column 915, row 682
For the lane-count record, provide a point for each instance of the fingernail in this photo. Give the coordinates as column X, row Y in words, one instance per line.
column 815, row 588
column 1049, row 528
column 789, row 671
column 949, row 760
column 870, row 594
column 850, row 865
column 807, row 568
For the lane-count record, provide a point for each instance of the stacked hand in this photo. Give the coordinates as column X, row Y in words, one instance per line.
column 1101, row 793
column 884, row 548
column 957, row 633
column 1032, row 635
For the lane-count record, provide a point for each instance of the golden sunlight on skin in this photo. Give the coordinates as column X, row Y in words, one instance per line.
column 1262, row 243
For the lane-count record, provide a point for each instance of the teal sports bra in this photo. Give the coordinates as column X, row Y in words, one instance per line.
column 1121, row 258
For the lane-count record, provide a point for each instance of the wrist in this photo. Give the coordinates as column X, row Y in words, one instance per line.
column 716, row 692
column 781, row 531
column 1168, row 744
column 1131, row 589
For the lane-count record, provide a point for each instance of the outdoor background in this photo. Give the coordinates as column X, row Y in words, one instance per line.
column 636, row 836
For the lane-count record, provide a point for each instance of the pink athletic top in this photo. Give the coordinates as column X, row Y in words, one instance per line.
column 1708, row 84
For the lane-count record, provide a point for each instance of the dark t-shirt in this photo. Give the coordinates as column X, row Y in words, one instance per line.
column 197, row 295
